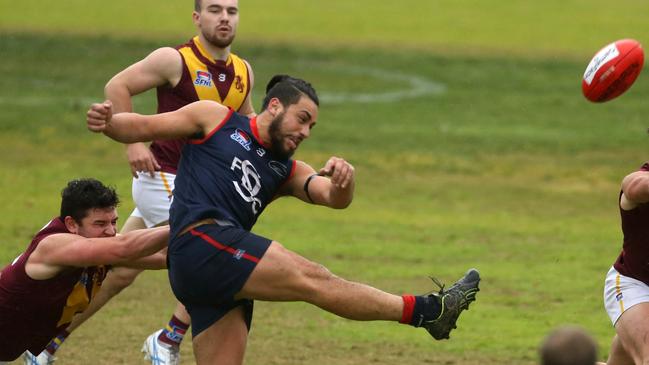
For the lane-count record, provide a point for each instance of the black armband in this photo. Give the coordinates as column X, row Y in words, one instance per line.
column 306, row 186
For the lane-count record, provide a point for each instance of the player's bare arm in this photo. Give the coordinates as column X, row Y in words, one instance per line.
column 246, row 108
column 332, row 186
column 191, row 121
column 157, row 261
column 635, row 190
column 59, row 251
column 162, row 67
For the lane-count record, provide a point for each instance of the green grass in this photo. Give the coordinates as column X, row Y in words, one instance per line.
column 509, row 169
column 555, row 28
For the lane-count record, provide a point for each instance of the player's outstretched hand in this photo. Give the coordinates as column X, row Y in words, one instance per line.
column 340, row 171
column 99, row 116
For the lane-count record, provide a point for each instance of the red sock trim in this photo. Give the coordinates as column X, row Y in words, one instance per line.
column 408, row 308
column 178, row 323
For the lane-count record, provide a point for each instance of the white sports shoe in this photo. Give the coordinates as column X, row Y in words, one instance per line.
column 158, row 353
column 44, row 358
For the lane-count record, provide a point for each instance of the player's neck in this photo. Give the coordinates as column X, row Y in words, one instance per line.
column 215, row 52
column 263, row 122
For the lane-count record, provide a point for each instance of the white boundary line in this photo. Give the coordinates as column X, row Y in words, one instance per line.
column 416, row 86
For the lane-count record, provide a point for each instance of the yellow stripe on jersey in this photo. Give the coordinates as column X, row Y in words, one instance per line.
column 239, row 88
column 78, row 299
column 203, row 51
column 194, row 65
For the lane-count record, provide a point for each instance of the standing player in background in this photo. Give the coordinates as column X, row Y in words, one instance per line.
column 231, row 169
column 202, row 69
column 626, row 289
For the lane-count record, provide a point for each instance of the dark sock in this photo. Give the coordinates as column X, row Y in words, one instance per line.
column 56, row 342
column 417, row 309
column 173, row 334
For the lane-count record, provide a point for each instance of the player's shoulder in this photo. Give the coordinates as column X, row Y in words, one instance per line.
column 164, row 53
column 165, row 61
column 234, row 56
column 58, row 238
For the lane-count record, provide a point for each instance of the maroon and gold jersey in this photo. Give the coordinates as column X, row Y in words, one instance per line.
column 32, row 311
column 634, row 258
column 203, row 78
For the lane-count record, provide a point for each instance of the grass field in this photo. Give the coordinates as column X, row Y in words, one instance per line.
column 464, row 119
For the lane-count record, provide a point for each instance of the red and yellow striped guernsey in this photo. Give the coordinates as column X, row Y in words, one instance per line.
column 203, row 78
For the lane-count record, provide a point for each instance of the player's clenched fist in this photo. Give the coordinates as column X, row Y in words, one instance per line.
column 340, row 171
column 99, row 116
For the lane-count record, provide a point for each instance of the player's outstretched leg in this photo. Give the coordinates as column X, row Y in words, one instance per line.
column 282, row 275
column 451, row 302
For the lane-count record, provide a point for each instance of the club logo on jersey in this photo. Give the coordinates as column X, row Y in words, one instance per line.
column 279, row 168
column 242, row 138
column 221, row 77
column 249, row 185
column 203, row 78
column 238, row 84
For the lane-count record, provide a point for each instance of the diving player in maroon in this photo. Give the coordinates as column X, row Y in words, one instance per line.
column 63, row 267
column 230, row 170
column 626, row 290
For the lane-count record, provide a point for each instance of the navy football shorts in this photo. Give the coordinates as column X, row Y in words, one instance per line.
column 208, row 265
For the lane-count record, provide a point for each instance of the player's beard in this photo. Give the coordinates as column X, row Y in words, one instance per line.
column 217, row 41
column 277, row 139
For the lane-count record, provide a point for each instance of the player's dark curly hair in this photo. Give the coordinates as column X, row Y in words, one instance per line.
column 81, row 195
column 288, row 90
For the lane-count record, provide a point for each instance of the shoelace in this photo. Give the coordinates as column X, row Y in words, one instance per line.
column 439, row 285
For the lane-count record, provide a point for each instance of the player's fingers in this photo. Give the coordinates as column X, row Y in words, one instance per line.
column 337, row 170
column 99, row 108
column 156, row 164
column 132, row 165
column 341, row 171
column 328, row 168
column 335, row 174
column 95, row 125
column 150, row 168
column 349, row 175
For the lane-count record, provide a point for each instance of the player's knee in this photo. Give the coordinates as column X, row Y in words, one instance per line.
column 313, row 277
column 301, row 279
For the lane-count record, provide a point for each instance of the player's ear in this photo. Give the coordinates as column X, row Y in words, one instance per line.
column 71, row 224
column 196, row 18
column 275, row 107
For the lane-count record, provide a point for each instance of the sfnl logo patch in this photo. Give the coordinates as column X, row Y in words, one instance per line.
column 203, row 78
column 242, row 138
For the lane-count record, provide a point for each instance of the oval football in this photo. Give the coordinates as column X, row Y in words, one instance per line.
column 612, row 70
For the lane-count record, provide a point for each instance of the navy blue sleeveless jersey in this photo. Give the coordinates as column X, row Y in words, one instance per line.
column 229, row 175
